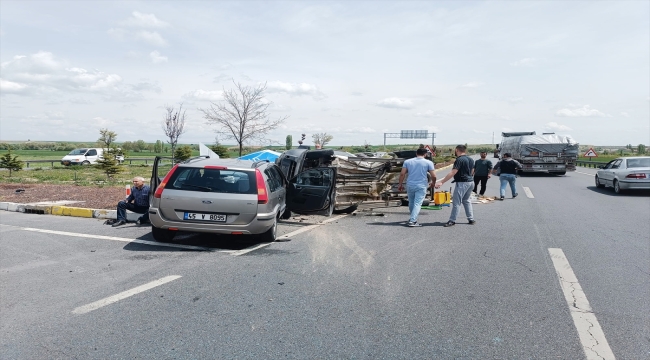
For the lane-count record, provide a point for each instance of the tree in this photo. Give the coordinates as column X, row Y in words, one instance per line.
column 183, row 153
column 141, row 145
column 10, row 163
column 158, row 147
column 322, row 139
column 289, row 142
column 128, row 146
column 640, row 149
column 107, row 163
column 243, row 115
column 220, row 150
column 174, row 125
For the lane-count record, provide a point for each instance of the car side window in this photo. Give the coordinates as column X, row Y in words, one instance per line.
column 275, row 171
column 92, row 152
column 273, row 183
column 314, row 177
column 616, row 164
column 609, row 165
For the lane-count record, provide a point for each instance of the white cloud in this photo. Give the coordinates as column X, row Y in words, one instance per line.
column 428, row 113
column 295, row 89
column 138, row 19
column 205, row 95
column 473, row 84
column 151, row 37
column 156, row 58
column 557, row 127
column 526, row 62
column 10, row 87
column 624, row 114
column 584, row 111
column 396, row 103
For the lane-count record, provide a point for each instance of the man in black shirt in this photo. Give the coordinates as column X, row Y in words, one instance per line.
column 462, row 174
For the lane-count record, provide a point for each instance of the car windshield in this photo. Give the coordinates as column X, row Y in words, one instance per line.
column 78, row 152
column 638, row 163
column 214, row 180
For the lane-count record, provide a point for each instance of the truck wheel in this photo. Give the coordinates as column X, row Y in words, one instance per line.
column 162, row 235
column 561, row 173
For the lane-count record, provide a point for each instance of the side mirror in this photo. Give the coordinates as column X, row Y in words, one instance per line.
column 601, row 167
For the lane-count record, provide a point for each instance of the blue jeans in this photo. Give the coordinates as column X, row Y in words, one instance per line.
column 123, row 206
column 461, row 195
column 416, row 196
column 505, row 180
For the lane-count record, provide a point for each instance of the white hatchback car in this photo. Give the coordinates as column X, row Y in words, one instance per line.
column 627, row 173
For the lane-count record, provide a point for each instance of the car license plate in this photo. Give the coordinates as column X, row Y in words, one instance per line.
column 204, row 217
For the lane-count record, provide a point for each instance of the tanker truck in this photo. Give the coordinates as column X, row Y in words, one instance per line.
column 548, row 152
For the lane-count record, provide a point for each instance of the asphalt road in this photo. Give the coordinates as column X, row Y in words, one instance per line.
column 361, row 286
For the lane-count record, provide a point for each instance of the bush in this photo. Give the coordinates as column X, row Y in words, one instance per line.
column 182, row 153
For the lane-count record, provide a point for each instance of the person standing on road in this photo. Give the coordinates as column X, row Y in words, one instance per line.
column 417, row 183
column 137, row 202
column 508, row 168
column 462, row 174
column 481, row 172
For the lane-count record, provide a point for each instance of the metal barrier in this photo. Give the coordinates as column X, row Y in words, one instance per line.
column 52, row 162
column 590, row 164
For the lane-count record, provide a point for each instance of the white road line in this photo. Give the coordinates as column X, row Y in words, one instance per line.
column 114, row 238
column 591, row 334
column 286, row 236
column 123, row 295
column 585, row 173
column 528, row 193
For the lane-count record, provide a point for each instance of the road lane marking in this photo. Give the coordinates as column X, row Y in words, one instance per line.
column 115, row 238
column 286, row 236
column 123, row 295
column 585, row 173
column 591, row 334
column 528, row 192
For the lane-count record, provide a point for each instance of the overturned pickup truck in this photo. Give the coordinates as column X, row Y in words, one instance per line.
column 358, row 180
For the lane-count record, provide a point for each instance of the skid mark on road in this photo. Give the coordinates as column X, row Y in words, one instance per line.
column 114, row 238
column 286, row 236
column 123, row 295
column 591, row 334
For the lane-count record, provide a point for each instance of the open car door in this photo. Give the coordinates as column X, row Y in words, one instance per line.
column 161, row 166
column 312, row 191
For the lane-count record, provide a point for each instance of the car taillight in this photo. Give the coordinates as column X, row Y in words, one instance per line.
column 262, row 195
column 161, row 187
column 636, row 176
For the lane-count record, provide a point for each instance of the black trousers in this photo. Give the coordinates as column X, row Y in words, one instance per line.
column 483, row 180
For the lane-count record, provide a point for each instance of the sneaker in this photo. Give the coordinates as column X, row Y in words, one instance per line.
column 450, row 223
column 501, row 198
column 515, row 195
column 414, row 224
column 472, row 222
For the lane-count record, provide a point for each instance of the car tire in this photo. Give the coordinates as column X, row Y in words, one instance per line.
column 85, row 162
column 162, row 235
column 404, row 202
column 270, row 234
column 286, row 215
column 617, row 187
column 598, row 184
column 347, row 210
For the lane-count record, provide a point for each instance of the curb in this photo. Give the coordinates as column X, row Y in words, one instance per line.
column 46, row 209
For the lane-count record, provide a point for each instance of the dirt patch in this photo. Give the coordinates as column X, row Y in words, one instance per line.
column 93, row 197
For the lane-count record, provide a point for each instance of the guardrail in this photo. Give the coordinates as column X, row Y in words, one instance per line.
column 590, row 164
column 52, row 162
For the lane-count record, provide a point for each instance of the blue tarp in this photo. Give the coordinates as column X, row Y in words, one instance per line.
column 269, row 155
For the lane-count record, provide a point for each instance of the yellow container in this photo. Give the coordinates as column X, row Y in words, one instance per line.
column 442, row 198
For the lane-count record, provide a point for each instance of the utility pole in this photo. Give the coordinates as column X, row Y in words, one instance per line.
column 492, row 138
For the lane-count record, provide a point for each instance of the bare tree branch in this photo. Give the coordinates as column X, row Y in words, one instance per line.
column 243, row 115
column 322, row 139
column 174, row 125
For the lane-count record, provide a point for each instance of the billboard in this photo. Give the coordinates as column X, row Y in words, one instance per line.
column 414, row 134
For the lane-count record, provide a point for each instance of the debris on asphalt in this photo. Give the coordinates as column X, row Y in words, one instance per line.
column 20, row 190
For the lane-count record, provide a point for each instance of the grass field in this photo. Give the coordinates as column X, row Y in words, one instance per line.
column 79, row 175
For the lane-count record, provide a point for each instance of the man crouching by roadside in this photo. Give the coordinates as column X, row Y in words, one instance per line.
column 137, row 202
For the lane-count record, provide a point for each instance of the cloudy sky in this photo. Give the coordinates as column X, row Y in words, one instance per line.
column 355, row 69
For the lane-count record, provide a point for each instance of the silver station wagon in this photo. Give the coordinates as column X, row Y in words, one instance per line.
column 627, row 173
column 232, row 196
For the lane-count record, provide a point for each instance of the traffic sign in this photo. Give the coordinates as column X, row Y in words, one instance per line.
column 590, row 153
column 430, row 150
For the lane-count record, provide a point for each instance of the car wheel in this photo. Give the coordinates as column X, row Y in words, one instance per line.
column 270, row 234
column 85, row 162
column 286, row 215
column 598, row 184
column 404, row 202
column 617, row 187
column 162, row 235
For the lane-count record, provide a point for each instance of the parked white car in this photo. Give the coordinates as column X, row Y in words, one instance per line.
column 86, row 156
column 627, row 173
